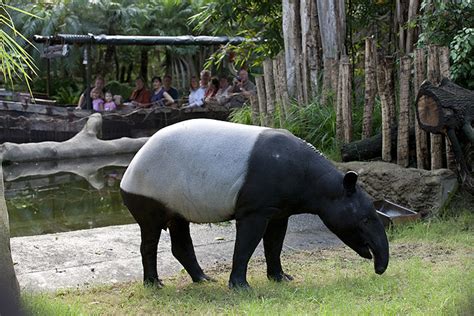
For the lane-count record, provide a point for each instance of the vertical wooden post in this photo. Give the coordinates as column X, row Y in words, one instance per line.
column 436, row 140
column 339, row 115
column 262, row 100
column 87, row 62
column 285, row 99
column 370, row 87
column 270, row 90
column 404, row 116
column 255, row 110
column 48, row 77
column 386, row 120
column 389, row 67
column 345, row 97
column 422, row 153
column 444, row 72
column 412, row 10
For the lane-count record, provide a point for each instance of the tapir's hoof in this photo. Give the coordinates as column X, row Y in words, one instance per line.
column 239, row 285
column 154, row 283
column 280, row 277
column 204, row 278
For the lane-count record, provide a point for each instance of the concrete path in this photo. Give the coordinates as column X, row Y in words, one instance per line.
column 112, row 254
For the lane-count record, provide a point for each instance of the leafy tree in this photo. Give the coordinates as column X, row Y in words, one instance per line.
column 250, row 19
column 462, row 52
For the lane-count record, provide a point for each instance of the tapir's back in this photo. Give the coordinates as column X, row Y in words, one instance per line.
column 195, row 168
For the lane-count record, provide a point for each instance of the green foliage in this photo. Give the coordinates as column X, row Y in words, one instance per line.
column 15, row 61
column 314, row 123
column 246, row 18
column 462, row 55
column 67, row 95
column 441, row 20
column 123, row 89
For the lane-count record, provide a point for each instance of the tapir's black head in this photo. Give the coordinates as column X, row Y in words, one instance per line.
column 352, row 217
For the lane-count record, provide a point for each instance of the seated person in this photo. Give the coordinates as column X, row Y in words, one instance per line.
column 196, row 94
column 242, row 89
column 97, row 101
column 223, row 94
column 210, row 95
column 169, row 89
column 141, row 95
column 159, row 96
column 99, row 84
column 109, row 104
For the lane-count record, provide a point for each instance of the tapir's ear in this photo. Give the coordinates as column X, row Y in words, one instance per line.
column 350, row 180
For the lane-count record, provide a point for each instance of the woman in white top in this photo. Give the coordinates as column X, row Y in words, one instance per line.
column 196, row 95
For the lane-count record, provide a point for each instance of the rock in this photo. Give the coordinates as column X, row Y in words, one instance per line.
column 417, row 189
column 84, row 144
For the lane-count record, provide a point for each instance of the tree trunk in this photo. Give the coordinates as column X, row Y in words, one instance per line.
column 339, row 115
column 434, row 77
column 389, row 67
column 269, row 90
column 404, row 116
column 370, row 87
column 129, row 72
column 278, row 91
column 386, row 119
column 262, row 100
column 255, row 110
column 422, row 154
column 9, row 288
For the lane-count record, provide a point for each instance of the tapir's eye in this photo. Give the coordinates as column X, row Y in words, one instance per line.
column 365, row 220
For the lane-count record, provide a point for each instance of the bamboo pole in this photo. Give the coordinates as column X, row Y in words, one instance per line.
column 422, row 153
column 370, row 87
column 433, row 75
column 404, row 114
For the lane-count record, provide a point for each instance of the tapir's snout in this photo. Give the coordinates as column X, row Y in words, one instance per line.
column 380, row 250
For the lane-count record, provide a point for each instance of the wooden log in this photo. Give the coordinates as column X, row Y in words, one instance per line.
column 255, row 110
column 371, row 148
column 262, row 100
column 444, row 106
column 370, row 87
column 422, row 153
column 412, row 11
column 404, row 113
column 339, row 115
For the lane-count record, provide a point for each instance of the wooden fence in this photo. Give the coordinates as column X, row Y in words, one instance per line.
column 395, row 80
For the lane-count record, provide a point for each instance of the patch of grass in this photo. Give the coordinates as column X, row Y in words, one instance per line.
column 431, row 271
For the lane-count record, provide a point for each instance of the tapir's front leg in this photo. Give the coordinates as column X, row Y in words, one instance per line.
column 273, row 244
column 250, row 230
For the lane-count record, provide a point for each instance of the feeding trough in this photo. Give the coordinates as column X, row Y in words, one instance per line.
column 394, row 214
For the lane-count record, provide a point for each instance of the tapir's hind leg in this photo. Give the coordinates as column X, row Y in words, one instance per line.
column 183, row 250
column 273, row 244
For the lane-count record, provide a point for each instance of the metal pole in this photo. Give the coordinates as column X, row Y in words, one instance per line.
column 48, row 77
column 86, row 62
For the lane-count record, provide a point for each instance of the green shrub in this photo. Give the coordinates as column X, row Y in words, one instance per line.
column 67, row 95
column 462, row 52
column 123, row 89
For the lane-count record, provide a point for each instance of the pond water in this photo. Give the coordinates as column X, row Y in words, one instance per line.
column 59, row 197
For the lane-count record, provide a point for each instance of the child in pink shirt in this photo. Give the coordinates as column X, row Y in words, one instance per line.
column 109, row 104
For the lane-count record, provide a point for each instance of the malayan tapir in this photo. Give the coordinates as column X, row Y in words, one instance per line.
column 207, row 171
